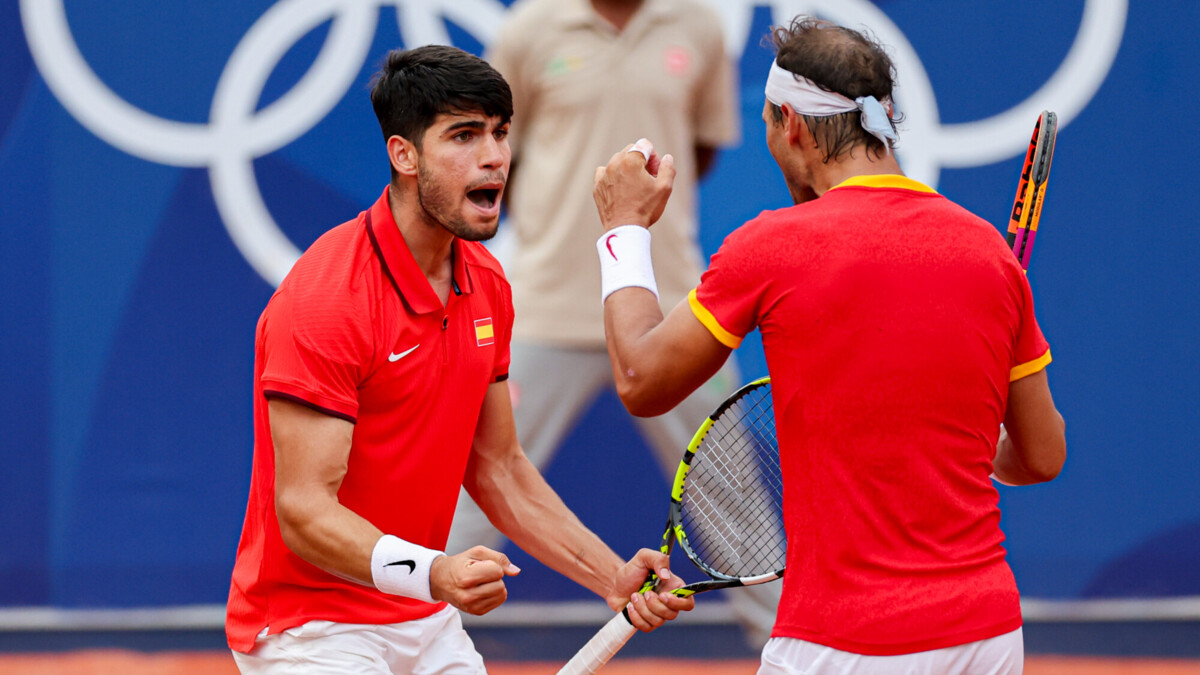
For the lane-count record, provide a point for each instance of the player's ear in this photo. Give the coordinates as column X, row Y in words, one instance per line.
column 793, row 124
column 403, row 155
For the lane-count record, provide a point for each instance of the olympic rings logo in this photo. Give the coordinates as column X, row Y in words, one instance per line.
column 238, row 132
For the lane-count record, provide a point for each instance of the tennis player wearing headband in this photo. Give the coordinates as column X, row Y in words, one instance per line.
column 899, row 333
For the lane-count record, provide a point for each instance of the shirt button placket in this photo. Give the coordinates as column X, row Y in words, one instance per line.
column 445, row 347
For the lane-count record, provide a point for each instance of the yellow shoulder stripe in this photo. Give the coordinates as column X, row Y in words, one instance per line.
column 710, row 322
column 1030, row 367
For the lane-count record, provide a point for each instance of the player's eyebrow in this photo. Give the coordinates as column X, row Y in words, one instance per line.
column 466, row 124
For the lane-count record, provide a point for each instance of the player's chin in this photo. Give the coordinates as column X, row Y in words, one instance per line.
column 477, row 228
column 481, row 218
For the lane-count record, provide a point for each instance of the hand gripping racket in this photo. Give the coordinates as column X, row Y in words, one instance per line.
column 726, row 511
column 1031, row 188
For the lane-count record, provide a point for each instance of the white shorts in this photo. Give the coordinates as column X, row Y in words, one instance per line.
column 1001, row 655
column 436, row 644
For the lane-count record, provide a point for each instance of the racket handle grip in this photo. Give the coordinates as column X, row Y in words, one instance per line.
column 603, row 645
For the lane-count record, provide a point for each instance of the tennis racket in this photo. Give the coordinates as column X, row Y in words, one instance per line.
column 1031, row 188
column 725, row 513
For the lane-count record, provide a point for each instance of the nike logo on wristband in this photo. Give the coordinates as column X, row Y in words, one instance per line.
column 412, row 566
column 608, row 243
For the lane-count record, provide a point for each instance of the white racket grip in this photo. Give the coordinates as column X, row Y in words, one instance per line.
column 602, row 647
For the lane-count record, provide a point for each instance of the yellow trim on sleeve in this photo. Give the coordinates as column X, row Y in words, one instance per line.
column 1026, row 369
column 710, row 322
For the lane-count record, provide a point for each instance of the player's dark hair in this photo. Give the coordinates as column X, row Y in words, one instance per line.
column 414, row 86
column 840, row 60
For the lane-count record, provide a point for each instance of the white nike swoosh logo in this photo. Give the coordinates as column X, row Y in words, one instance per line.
column 396, row 357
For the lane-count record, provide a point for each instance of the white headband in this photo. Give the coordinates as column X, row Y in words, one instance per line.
column 806, row 98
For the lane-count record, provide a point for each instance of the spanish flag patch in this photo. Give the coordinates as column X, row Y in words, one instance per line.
column 484, row 334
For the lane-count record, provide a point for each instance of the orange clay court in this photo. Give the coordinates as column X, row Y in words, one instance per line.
column 115, row 662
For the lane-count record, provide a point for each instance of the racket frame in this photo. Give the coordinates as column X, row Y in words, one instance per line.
column 609, row 639
column 1031, row 188
column 675, row 531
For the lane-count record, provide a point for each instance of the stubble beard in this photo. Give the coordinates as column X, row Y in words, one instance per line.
column 438, row 209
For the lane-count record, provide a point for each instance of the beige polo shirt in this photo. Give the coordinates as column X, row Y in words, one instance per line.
column 582, row 91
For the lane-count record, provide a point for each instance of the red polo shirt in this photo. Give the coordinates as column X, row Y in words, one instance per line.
column 892, row 321
column 357, row 332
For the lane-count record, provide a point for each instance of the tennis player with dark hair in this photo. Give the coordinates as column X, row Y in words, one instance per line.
column 899, row 334
column 379, row 390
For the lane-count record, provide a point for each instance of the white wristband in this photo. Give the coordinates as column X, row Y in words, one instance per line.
column 625, row 260
column 402, row 568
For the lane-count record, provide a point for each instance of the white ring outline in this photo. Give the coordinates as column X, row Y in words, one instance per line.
column 228, row 144
column 231, row 171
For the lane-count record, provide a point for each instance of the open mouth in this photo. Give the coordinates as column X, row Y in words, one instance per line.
column 484, row 198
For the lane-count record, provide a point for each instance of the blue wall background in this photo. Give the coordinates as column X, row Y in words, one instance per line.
column 128, row 312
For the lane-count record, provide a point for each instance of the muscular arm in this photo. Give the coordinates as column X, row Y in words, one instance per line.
column 1033, row 447
column 657, row 362
column 311, row 453
column 520, row 503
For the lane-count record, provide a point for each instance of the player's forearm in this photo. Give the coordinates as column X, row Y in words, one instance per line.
column 656, row 362
column 328, row 535
column 1033, row 444
column 629, row 316
column 638, row 360
column 1028, row 464
column 1010, row 470
column 519, row 502
column 1007, row 467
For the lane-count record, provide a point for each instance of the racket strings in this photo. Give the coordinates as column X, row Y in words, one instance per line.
column 733, row 494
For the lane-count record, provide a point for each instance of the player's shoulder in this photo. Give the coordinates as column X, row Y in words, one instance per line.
column 978, row 239
column 967, row 220
column 769, row 221
column 332, row 274
column 773, row 230
column 333, row 253
column 959, row 211
column 753, row 237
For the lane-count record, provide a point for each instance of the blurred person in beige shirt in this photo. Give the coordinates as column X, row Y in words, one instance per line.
column 587, row 76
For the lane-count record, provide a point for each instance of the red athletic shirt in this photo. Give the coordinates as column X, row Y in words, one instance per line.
column 357, row 332
column 892, row 321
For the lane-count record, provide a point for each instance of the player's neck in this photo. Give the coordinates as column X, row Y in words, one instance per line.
column 431, row 244
column 825, row 176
